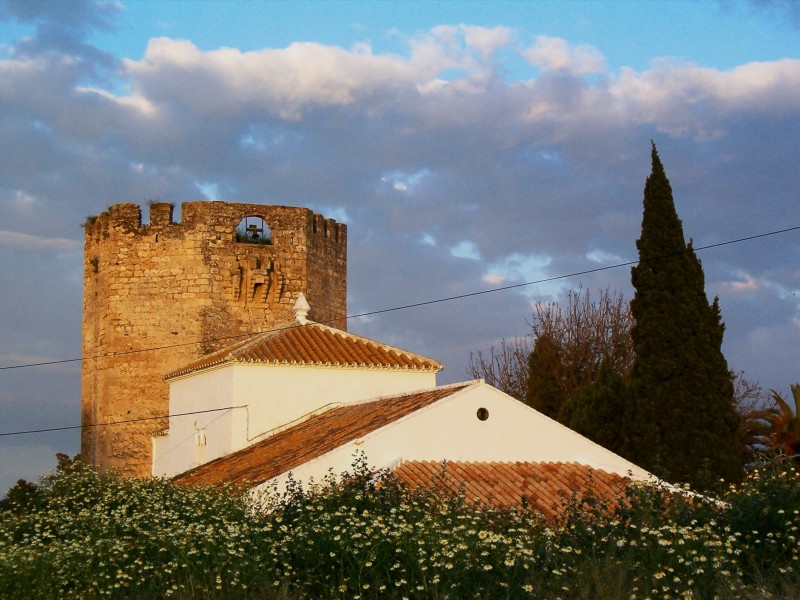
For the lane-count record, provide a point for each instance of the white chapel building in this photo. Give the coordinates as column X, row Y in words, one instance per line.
column 306, row 398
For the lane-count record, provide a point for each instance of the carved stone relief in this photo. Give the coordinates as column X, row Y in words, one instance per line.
column 258, row 280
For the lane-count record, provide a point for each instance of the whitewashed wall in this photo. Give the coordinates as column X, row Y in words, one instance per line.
column 262, row 399
column 451, row 430
column 197, row 438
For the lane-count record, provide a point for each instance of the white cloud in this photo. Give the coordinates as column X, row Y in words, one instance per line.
column 524, row 179
column 428, row 240
column 688, row 100
column 599, row 256
column 209, row 189
column 466, row 249
column 487, row 40
column 337, row 213
column 137, row 103
column 283, row 80
column 746, row 284
column 519, row 268
column 556, row 54
column 24, row 198
column 494, row 279
column 405, row 182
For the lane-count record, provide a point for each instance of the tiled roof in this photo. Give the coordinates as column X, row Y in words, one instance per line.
column 545, row 486
column 312, row 344
column 310, row 439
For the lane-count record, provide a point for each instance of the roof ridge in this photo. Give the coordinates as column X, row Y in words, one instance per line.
column 435, row 388
column 265, row 335
column 224, row 355
column 228, row 351
column 312, row 344
column 399, row 351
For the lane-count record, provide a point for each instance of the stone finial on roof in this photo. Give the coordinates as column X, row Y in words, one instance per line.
column 301, row 308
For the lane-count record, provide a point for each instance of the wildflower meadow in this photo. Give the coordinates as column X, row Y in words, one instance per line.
column 84, row 534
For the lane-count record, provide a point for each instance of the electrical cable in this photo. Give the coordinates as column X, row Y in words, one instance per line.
column 375, row 312
column 397, row 308
column 50, row 429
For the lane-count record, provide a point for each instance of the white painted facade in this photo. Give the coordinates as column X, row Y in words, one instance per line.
column 221, row 409
column 250, row 401
column 450, row 429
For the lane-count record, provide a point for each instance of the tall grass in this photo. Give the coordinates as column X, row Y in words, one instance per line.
column 84, row 534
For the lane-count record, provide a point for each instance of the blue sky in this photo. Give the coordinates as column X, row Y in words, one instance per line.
column 468, row 145
column 630, row 34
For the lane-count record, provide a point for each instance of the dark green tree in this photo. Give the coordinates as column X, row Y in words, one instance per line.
column 545, row 389
column 25, row 496
column 597, row 410
column 683, row 421
column 22, row 497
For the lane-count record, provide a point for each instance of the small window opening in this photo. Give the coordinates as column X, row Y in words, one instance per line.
column 483, row 414
column 253, row 230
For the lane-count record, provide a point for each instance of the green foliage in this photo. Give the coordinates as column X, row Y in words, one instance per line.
column 683, row 417
column 545, row 391
column 23, row 496
column 653, row 543
column 597, row 410
column 785, row 424
column 26, row 496
column 764, row 517
column 756, row 415
column 95, row 535
column 377, row 538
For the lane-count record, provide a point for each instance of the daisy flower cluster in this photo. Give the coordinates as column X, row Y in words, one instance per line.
column 84, row 534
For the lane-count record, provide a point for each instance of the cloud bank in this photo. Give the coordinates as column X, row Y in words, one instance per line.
column 452, row 176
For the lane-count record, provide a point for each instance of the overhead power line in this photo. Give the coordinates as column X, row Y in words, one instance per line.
column 401, row 307
column 112, row 423
column 375, row 312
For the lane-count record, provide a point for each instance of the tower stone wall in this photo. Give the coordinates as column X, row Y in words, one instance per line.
column 160, row 295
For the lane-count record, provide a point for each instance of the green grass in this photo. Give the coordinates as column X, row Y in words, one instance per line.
column 83, row 534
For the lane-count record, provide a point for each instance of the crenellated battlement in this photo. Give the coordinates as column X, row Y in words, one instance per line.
column 187, row 287
column 161, row 214
column 327, row 228
column 212, row 218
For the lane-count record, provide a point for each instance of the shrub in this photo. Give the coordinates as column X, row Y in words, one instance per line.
column 92, row 535
column 95, row 535
column 764, row 516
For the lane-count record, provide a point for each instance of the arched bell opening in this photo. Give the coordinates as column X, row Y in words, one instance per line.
column 253, row 230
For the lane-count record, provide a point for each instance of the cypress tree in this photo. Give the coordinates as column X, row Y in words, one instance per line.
column 597, row 410
column 683, row 423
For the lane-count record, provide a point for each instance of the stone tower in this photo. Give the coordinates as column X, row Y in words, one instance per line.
column 161, row 295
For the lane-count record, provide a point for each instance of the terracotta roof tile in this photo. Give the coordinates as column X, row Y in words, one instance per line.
column 312, row 344
column 545, row 486
column 288, row 449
